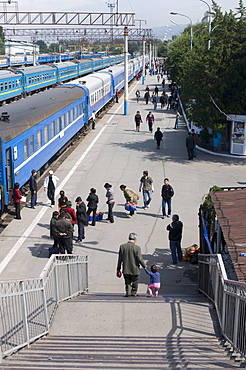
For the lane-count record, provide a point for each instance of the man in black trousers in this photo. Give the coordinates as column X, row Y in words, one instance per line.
column 33, row 188
column 190, row 143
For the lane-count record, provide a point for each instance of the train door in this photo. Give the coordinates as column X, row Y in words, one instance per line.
column 9, row 172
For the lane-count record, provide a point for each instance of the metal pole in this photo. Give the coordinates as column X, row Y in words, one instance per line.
column 143, row 73
column 209, row 22
column 126, row 71
column 150, row 55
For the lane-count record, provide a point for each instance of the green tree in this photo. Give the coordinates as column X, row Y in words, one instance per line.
column 214, row 79
column 42, row 46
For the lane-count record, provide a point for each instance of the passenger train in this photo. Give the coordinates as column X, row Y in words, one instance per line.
column 21, row 81
column 17, row 60
column 34, row 130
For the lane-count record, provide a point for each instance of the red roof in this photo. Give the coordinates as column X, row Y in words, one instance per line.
column 230, row 208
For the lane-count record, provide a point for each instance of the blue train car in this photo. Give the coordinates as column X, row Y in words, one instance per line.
column 66, row 71
column 38, row 77
column 117, row 75
column 11, row 85
column 38, row 127
column 84, row 66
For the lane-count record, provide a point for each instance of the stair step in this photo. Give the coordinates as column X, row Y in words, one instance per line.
column 109, row 353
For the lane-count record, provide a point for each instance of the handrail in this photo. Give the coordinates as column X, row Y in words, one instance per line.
column 228, row 296
column 184, row 114
column 27, row 306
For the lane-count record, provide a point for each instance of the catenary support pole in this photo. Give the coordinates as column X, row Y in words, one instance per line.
column 126, row 71
column 143, row 73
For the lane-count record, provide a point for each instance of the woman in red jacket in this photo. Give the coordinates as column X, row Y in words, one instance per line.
column 17, row 198
column 71, row 211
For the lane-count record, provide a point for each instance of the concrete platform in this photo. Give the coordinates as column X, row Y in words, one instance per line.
column 114, row 152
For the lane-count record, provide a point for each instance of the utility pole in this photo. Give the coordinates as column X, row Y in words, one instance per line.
column 126, row 71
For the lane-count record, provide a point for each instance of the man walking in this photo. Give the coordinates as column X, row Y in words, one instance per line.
column 190, row 143
column 33, row 188
column 175, row 235
column 50, row 183
column 177, row 117
column 158, row 137
column 167, row 193
column 138, row 120
column 150, row 119
column 146, row 185
column 131, row 258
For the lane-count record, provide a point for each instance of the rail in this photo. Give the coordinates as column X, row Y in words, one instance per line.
column 27, row 306
column 188, row 125
column 228, row 296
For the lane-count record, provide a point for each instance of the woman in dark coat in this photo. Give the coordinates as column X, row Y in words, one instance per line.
column 17, row 198
column 92, row 200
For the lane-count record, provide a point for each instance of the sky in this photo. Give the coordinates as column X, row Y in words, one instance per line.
column 156, row 13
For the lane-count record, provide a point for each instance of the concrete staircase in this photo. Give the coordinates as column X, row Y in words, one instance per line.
column 92, row 352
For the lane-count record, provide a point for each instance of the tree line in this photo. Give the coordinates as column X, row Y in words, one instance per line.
column 213, row 81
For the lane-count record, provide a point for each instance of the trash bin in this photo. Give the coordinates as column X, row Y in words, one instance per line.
column 217, row 137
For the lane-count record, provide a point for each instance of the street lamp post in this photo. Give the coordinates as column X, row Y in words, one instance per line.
column 209, row 22
column 191, row 31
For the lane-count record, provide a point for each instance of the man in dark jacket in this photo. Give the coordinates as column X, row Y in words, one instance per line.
column 190, row 143
column 81, row 218
column 93, row 201
column 131, row 258
column 175, row 235
column 167, row 193
column 63, row 230
column 138, row 120
column 33, row 188
column 158, row 137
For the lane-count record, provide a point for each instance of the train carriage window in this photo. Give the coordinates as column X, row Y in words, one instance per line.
column 75, row 112
column 46, row 134
column 80, row 108
column 5, row 86
column 62, row 121
column 26, row 154
column 83, row 107
column 53, row 129
column 58, row 125
column 68, row 117
column 31, row 144
column 17, row 83
column 1, row 86
column 39, row 139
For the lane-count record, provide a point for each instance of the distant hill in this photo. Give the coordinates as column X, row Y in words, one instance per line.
column 168, row 31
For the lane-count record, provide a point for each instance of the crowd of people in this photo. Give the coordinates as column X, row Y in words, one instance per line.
column 63, row 220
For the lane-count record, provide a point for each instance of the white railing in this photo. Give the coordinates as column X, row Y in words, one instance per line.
column 27, row 306
column 229, row 298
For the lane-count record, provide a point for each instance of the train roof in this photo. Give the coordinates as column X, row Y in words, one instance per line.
column 7, row 74
column 93, row 81
column 115, row 70
column 64, row 64
column 35, row 69
column 28, row 112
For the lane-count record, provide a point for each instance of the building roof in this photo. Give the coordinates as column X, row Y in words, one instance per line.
column 230, row 208
column 28, row 112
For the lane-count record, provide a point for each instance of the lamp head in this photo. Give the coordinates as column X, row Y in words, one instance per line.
column 173, row 13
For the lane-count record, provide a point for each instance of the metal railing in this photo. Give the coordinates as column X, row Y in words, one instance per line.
column 228, row 296
column 27, row 306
